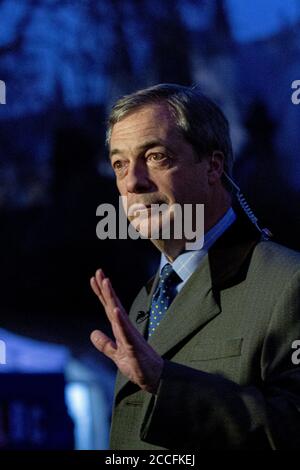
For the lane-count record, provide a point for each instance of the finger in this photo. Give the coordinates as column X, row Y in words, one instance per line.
column 123, row 330
column 99, row 276
column 116, row 298
column 104, row 344
column 97, row 291
column 110, row 296
column 95, row 287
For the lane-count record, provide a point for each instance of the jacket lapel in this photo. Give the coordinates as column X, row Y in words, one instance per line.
column 191, row 309
column 142, row 305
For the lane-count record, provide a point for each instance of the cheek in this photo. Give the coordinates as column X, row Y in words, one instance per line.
column 168, row 188
column 184, row 182
column 121, row 187
column 191, row 190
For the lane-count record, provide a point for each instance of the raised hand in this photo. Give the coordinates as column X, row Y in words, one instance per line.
column 131, row 353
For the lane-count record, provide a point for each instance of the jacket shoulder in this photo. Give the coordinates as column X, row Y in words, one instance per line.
column 273, row 256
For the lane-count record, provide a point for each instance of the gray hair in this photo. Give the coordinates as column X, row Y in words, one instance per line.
column 198, row 118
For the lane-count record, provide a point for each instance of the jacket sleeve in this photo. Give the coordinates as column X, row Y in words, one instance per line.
column 194, row 409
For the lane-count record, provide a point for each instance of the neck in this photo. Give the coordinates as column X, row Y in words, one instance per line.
column 172, row 248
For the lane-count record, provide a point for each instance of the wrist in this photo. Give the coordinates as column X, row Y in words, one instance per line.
column 156, row 376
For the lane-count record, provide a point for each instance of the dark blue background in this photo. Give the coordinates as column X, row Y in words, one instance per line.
column 64, row 63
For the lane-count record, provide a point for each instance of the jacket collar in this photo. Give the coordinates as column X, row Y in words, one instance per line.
column 229, row 257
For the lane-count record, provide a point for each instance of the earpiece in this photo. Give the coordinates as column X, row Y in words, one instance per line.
column 265, row 232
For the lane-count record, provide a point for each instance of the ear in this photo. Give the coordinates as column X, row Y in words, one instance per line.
column 216, row 167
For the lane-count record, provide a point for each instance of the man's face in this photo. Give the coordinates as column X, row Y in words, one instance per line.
column 154, row 164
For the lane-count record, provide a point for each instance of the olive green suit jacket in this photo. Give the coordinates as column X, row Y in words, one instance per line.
column 228, row 381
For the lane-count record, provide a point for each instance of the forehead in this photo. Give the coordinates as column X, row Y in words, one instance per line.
column 154, row 121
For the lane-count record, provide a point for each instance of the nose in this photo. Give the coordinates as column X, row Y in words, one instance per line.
column 137, row 178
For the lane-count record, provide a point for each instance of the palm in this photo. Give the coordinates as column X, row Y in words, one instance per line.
column 133, row 356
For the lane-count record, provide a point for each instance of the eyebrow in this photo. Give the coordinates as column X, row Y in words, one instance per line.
column 143, row 147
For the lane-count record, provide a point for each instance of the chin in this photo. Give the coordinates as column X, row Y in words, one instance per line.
column 156, row 226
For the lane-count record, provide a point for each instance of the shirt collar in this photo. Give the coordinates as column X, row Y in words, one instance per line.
column 188, row 261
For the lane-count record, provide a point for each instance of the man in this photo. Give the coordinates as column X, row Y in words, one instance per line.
column 216, row 371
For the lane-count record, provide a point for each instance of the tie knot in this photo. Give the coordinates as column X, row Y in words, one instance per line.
column 168, row 273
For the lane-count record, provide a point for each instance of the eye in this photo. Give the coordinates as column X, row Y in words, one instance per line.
column 117, row 165
column 157, row 157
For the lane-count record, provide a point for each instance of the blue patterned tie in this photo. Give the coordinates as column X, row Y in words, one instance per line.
column 163, row 296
